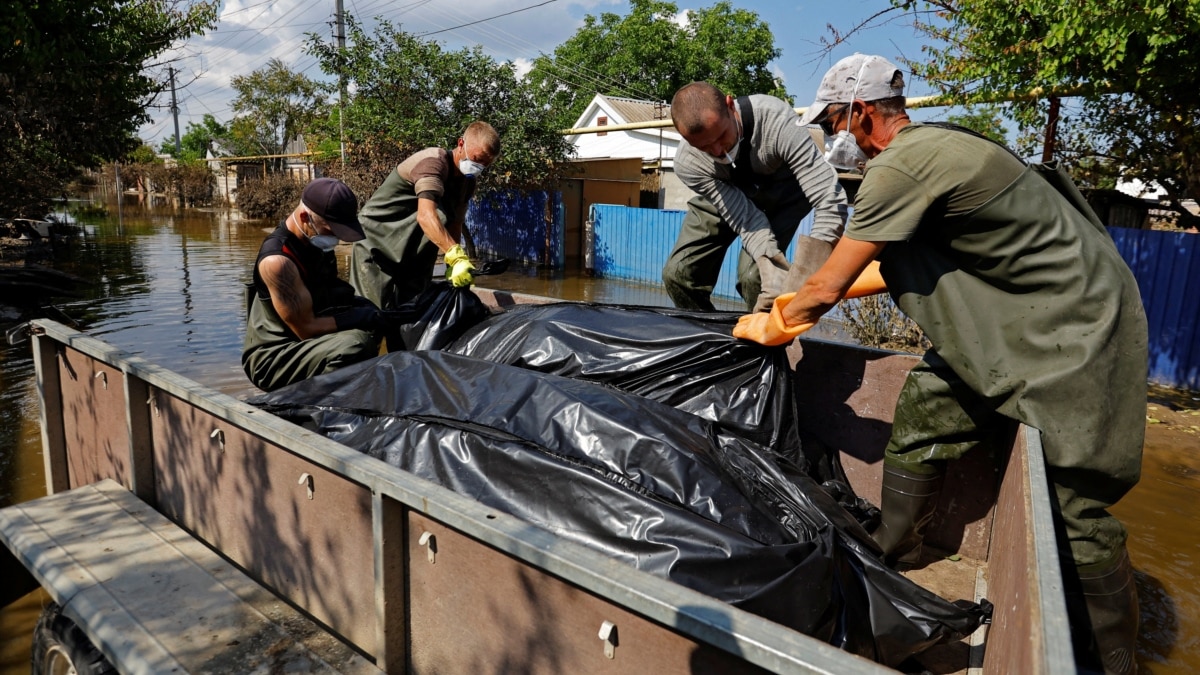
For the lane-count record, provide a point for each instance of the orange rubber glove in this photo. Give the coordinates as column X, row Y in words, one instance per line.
column 869, row 282
column 768, row 328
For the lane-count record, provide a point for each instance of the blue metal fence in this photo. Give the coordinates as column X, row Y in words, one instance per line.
column 1167, row 268
column 526, row 227
column 633, row 244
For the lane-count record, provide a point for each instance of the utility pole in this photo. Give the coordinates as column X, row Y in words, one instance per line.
column 341, row 42
column 1048, row 147
column 175, row 107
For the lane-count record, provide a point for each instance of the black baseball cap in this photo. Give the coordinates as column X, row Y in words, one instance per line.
column 334, row 201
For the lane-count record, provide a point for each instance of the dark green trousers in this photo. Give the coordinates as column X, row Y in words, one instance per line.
column 938, row 418
column 691, row 271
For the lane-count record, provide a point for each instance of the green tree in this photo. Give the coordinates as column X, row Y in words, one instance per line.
column 411, row 94
column 195, row 143
column 1134, row 65
column 75, row 82
column 648, row 55
column 985, row 119
column 274, row 105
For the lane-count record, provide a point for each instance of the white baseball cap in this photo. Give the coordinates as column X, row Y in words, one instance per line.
column 861, row 76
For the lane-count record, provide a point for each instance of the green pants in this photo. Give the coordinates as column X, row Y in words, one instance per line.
column 270, row 368
column 938, row 418
column 694, row 265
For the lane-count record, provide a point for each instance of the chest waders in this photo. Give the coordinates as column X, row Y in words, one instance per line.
column 394, row 263
column 1034, row 317
column 272, row 355
column 694, row 265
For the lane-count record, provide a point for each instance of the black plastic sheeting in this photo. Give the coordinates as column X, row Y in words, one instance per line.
column 442, row 314
column 687, row 360
column 687, row 497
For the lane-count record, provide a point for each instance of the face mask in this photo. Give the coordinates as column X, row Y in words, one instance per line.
column 470, row 168
column 325, row 242
column 843, row 152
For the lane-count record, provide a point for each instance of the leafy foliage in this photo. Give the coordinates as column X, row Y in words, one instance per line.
column 74, row 86
column 195, row 143
column 273, row 106
column 648, row 55
column 272, row 197
column 1136, row 66
column 985, row 119
column 410, row 94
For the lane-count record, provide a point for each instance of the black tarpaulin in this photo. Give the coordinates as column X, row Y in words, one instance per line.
column 664, row 490
column 688, row 361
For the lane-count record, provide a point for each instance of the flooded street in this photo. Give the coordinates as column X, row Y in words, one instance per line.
column 168, row 287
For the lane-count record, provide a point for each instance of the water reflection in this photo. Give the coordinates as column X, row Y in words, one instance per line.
column 169, row 287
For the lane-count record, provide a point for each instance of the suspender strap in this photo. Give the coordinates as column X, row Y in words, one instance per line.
column 743, row 175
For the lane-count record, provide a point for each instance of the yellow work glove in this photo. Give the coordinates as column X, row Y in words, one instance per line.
column 869, row 282
column 458, row 267
column 768, row 328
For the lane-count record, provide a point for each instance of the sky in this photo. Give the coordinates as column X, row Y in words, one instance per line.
column 251, row 32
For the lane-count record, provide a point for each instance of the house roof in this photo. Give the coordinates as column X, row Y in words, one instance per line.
column 632, row 110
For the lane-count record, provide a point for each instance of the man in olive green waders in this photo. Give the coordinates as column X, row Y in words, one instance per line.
column 1032, row 314
column 302, row 320
column 417, row 212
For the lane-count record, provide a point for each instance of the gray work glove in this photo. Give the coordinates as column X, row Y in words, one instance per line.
column 773, row 272
column 810, row 255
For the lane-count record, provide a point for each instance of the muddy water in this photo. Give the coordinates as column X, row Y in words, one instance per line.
column 167, row 287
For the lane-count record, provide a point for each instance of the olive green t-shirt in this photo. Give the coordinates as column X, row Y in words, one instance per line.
column 928, row 171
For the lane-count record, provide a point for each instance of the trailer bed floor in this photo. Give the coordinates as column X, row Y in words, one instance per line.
column 961, row 579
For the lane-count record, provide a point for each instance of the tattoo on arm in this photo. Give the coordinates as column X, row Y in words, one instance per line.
column 285, row 293
column 289, row 295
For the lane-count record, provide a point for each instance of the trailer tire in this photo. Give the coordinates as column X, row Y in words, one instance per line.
column 61, row 648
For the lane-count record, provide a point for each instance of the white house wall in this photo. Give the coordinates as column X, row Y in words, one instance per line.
column 624, row 144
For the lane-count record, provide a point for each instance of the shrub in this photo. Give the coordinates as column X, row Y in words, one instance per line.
column 270, row 198
column 876, row 321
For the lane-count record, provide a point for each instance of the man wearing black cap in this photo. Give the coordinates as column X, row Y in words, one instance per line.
column 302, row 320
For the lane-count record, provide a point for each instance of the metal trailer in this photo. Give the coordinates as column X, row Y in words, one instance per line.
column 186, row 530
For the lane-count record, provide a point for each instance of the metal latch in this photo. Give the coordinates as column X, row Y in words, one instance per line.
column 306, row 478
column 608, row 633
column 220, row 436
column 430, row 542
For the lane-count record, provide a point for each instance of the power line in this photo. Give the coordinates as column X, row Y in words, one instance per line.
column 515, row 11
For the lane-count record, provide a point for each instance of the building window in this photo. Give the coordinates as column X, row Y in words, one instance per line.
column 602, row 122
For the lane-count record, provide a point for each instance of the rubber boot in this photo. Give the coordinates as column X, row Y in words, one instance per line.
column 1111, row 598
column 906, row 507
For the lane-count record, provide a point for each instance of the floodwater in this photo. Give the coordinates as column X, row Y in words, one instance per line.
column 167, row 286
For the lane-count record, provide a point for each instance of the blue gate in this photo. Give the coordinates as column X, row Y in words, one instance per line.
column 633, row 244
column 1167, row 268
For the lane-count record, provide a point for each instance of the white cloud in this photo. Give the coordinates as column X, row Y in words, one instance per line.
column 251, row 32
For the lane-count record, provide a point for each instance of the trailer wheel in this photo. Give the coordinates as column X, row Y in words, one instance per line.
column 61, row 648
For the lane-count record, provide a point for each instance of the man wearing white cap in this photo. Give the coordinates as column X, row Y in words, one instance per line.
column 1032, row 314
column 756, row 172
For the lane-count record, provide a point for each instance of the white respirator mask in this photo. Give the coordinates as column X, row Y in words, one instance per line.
column 470, row 168
column 843, row 153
